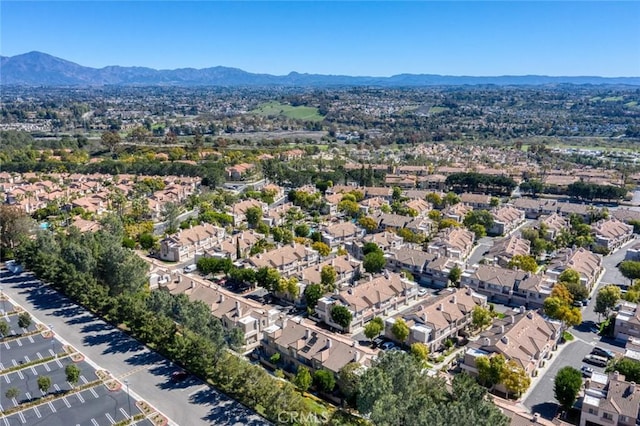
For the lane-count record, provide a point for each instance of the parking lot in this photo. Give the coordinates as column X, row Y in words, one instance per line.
column 27, row 355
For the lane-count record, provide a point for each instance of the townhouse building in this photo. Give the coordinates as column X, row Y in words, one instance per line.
column 455, row 243
column 627, row 322
column 508, row 286
column 285, row 259
column 184, row 244
column 610, row 400
column 553, row 225
column 439, row 318
column 535, row 207
column 581, row 260
column 387, row 241
column 505, row 219
column 371, row 297
column 611, row 233
column 239, row 210
column 347, row 271
column 457, row 212
column 341, row 234
column 477, row 201
column 525, row 337
column 506, row 248
column 411, row 260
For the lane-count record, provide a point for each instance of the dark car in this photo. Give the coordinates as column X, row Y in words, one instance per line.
column 603, row 353
column 378, row 341
column 179, row 376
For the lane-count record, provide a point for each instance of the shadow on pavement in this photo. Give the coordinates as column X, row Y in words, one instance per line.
column 225, row 411
column 546, row 409
column 144, row 358
column 94, row 328
column 117, row 342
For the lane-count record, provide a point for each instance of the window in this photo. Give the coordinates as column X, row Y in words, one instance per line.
column 607, row 416
column 592, row 411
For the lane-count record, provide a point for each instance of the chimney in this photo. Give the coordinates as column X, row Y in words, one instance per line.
column 440, row 307
column 616, row 375
column 357, row 356
column 502, row 329
column 505, row 340
column 328, row 346
column 307, row 334
column 530, row 314
column 192, row 285
column 238, row 307
column 453, row 299
column 535, row 418
column 512, row 319
column 486, row 341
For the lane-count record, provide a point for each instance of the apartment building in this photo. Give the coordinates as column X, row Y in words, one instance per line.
column 505, row 219
column 505, row 249
column 581, row 260
column 341, row 234
column 455, row 243
column 286, row 259
column 611, row 233
column 553, row 225
column 184, row 244
column 610, row 400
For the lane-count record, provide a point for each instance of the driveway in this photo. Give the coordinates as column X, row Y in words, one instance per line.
column 148, row 374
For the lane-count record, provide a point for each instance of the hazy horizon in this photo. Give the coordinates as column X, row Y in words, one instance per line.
column 377, row 39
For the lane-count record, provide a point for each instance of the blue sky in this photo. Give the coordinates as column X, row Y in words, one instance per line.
column 354, row 38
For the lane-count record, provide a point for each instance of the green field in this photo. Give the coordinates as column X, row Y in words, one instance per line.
column 437, row 109
column 631, row 104
column 297, row 113
column 613, row 99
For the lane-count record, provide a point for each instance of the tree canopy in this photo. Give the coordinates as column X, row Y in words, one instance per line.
column 567, row 384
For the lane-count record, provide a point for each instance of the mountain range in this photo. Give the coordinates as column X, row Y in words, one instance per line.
column 41, row 69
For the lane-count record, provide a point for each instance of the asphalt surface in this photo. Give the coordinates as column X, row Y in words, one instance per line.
column 149, row 375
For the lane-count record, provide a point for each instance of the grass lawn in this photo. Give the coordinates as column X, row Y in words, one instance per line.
column 437, row 109
column 631, row 104
column 612, row 99
column 299, row 113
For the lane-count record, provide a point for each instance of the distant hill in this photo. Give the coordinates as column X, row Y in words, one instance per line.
column 41, row 69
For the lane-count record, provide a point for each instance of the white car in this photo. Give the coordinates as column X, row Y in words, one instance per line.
column 422, row 292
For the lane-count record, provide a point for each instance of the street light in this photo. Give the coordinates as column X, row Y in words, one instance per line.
column 126, row 382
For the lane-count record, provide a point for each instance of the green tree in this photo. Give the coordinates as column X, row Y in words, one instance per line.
column 448, row 223
column 324, row 380
column 478, row 230
column 4, row 328
column 628, row 367
column 328, row 276
column 374, row 262
column 322, row 248
column 44, row 383
column 15, row 225
column 371, row 248
column 569, row 276
column 254, row 215
column 303, row 379
column 348, row 207
column 111, row 140
column 557, row 308
column 523, row 262
column 577, row 290
column 12, row 393
column 268, row 278
column 567, row 384
column 24, row 320
column 170, row 212
column 302, row 230
column 454, row 275
column 341, row 316
column 147, row 241
column 607, row 298
column 480, row 317
column 630, row 269
column 373, row 328
column 490, row 370
column 348, row 380
column 73, row 373
column 480, row 217
column 420, row 351
column 368, row 224
column 313, row 293
column 400, row 330
column 514, row 378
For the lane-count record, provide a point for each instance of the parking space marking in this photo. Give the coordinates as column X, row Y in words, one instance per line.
column 110, row 418
column 39, row 355
column 64, row 399
column 6, row 378
column 95, row 423
column 6, row 422
column 35, row 409
column 59, row 363
column 84, row 381
column 31, row 339
column 46, row 367
column 52, row 407
column 1, row 366
column 80, row 398
column 20, row 375
column 56, row 387
column 26, row 358
column 6, row 345
column 124, row 413
column 94, row 393
column 1, row 409
column 19, row 342
column 28, row 395
column 33, row 369
column 15, row 363
column 22, row 419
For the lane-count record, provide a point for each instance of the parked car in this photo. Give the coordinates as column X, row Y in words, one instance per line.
column 605, row 353
column 422, row 292
column 387, row 346
column 378, row 341
column 190, row 268
column 596, row 360
column 586, row 371
column 179, row 376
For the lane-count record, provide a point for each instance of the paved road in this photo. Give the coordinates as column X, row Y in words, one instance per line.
column 187, row 403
